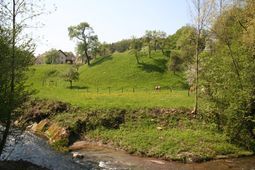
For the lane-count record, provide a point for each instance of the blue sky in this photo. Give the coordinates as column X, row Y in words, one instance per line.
column 112, row 20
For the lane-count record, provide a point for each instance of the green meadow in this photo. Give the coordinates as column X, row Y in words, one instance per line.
column 114, row 82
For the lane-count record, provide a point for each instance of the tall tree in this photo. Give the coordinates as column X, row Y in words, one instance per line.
column 18, row 56
column 186, row 43
column 175, row 62
column 162, row 43
column 94, row 48
column 228, row 75
column 148, row 37
column 136, row 47
column 202, row 10
column 104, row 49
column 84, row 33
column 154, row 40
column 158, row 37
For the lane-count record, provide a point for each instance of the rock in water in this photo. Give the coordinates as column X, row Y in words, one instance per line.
column 77, row 155
column 158, row 162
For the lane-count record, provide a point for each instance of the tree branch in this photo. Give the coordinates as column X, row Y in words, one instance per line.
column 6, row 8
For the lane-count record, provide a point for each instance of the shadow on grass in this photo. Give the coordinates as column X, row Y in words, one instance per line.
column 78, row 87
column 100, row 60
column 158, row 65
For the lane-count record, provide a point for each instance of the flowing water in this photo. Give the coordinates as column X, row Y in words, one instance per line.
column 112, row 159
column 36, row 150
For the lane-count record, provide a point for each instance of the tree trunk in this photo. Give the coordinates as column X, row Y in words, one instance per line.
column 235, row 64
column 195, row 111
column 86, row 50
column 136, row 56
column 5, row 134
column 87, row 56
column 163, row 52
column 12, row 77
column 149, row 48
column 71, row 84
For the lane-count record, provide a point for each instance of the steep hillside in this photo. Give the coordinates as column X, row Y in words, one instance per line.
column 114, row 82
column 117, row 71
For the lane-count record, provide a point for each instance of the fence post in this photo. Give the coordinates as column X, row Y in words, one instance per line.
column 133, row 89
column 170, row 89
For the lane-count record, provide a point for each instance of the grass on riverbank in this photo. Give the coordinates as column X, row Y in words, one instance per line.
column 171, row 134
column 170, row 144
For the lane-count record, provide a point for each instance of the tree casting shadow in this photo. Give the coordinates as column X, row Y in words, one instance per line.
column 159, row 65
column 101, row 60
column 78, row 87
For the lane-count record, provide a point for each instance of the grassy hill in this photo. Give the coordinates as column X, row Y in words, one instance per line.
column 114, row 81
column 148, row 123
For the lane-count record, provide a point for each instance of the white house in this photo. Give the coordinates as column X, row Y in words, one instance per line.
column 65, row 57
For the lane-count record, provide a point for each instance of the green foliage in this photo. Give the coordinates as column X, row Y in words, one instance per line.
column 186, row 43
column 135, row 130
column 60, row 145
column 88, row 42
column 51, row 56
column 23, row 59
column 180, row 134
column 118, row 72
column 104, row 49
column 120, row 46
column 5, row 53
column 136, row 46
column 175, row 62
column 71, row 75
column 228, row 76
column 16, row 55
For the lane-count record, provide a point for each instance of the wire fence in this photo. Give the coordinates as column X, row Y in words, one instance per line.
column 110, row 89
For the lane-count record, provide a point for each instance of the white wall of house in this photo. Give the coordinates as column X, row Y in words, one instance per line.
column 61, row 58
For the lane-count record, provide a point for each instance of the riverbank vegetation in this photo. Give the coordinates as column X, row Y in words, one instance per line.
column 216, row 63
column 171, row 134
column 16, row 55
column 189, row 96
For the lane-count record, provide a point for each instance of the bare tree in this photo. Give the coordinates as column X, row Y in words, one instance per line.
column 201, row 11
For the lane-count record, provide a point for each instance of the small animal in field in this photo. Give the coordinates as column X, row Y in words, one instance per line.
column 157, row 88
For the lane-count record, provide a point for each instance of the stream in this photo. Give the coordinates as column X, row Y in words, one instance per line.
column 36, row 150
